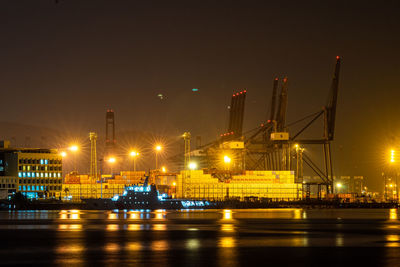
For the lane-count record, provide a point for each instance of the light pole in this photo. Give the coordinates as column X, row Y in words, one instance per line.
column 158, row 149
column 74, row 149
column 395, row 171
column 111, row 161
column 134, row 154
column 338, row 186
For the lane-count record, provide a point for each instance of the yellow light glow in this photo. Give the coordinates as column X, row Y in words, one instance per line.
column 393, row 214
column 227, row 214
column 158, row 148
column 193, row 165
column 134, row 153
column 227, row 159
column 163, row 169
column 391, row 185
column 63, row 154
column 74, row 148
column 159, row 227
column 392, row 152
column 111, row 160
column 296, row 146
column 227, row 242
column 112, row 216
column 339, row 185
column 174, row 184
column 112, row 227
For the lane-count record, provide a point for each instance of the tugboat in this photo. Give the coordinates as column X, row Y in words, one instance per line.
column 144, row 197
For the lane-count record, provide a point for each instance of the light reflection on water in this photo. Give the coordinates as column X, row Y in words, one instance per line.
column 392, row 240
column 227, row 242
column 227, row 227
column 77, row 235
column 393, row 214
column 134, row 246
column 193, row 244
column 70, row 227
column 112, row 227
column 112, row 247
column 159, row 227
column 159, row 245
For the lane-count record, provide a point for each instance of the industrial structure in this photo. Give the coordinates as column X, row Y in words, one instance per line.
column 110, row 147
column 273, row 146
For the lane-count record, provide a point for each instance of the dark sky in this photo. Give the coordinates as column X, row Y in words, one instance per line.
column 62, row 65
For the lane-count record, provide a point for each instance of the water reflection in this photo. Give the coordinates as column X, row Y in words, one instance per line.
column 71, row 227
column 111, row 237
column 70, row 214
column 227, row 215
column 135, row 227
column 339, row 240
column 112, row 227
column 159, row 227
column 134, row 215
column 297, row 214
column 392, row 240
column 160, row 214
column 193, row 244
column 159, row 245
column 112, row 216
column 133, row 246
column 227, row 242
column 112, row 247
column 227, row 227
column 393, row 214
column 227, row 252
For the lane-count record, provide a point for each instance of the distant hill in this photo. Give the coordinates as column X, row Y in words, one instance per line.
column 24, row 135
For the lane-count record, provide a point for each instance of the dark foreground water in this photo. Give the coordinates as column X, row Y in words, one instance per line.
column 263, row 237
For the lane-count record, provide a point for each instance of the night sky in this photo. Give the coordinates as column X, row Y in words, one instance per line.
column 63, row 64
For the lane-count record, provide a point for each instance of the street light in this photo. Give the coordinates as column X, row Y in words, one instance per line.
column 339, row 185
column 227, row 159
column 111, row 161
column 74, row 149
column 63, row 154
column 192, row 165
column 158, row 149
column 134, row 154
column 163, row 169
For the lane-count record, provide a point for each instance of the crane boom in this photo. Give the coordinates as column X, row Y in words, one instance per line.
column 332, row 102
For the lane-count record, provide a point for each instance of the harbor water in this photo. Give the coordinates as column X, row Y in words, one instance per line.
column 301, row 237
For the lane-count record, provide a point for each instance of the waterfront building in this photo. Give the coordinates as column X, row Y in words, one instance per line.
column 35, row 172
